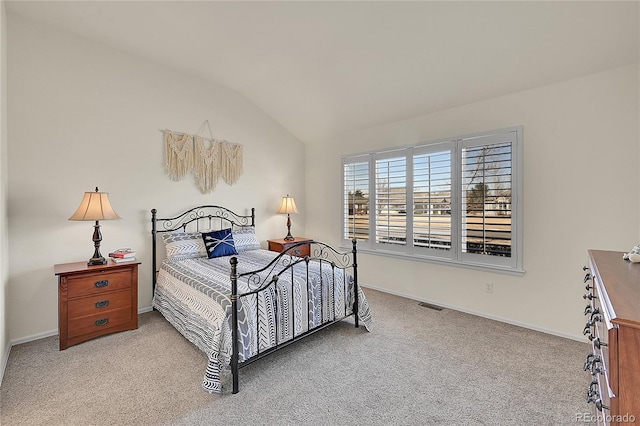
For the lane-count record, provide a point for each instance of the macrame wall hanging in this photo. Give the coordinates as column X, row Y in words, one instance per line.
column 208, row 158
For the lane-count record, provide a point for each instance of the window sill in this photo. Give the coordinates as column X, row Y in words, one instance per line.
column 439, row 261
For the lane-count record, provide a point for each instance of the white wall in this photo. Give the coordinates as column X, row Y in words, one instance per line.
column 581, row 191
column 4, row 251
column 83, row 115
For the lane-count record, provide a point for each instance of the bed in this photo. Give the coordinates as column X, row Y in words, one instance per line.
column 237, row 302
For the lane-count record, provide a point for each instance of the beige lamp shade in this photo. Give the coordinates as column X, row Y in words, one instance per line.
column 287, row 205
column 95, row 206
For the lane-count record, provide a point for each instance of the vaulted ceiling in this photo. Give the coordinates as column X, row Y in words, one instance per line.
column 324, row 68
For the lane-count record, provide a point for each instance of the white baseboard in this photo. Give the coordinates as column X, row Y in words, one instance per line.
column 145, row 309
column 576, row 337
column 33, row 337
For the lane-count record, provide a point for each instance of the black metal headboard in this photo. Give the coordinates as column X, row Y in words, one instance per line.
column 198, row 218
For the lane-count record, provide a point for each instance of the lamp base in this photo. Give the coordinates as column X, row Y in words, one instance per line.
column 289, row 237
column 98, row 258
column 97, row 261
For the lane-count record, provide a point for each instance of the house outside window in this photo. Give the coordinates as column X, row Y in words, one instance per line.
column 457, row 201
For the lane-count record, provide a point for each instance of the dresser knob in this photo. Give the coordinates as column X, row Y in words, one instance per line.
column 596, row 369
column 102, row 321
column 594, row 319
column 597, row 343
column 589, row 296
column 588, row 309
column 102, row 304
column 587, row 277
column 588, row 361
column 600, row 405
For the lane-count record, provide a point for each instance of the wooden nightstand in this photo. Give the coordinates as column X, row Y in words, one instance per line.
column 96, row 300
column 281, row 245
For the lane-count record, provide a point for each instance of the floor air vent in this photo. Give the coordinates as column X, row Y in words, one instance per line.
column 430, row 306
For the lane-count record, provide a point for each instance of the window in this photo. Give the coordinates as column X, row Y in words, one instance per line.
column 454, row 201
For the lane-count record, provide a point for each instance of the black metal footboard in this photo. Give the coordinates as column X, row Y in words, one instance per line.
column 267, row 279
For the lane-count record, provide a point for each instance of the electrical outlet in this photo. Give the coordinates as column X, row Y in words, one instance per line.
column 489, row 288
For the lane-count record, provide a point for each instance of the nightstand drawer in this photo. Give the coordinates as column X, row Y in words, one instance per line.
column 99, row 304
column 99, row 322
column 86, row 285
column 301, row 251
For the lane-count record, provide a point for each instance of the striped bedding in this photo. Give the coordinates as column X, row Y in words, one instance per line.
column 194, row 296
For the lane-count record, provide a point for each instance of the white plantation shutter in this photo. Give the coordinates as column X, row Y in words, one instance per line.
column 391, row 199
column 355, row 199
column 487, row 186
column 432, row 207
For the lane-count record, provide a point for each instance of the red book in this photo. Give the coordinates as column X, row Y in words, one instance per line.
column 122, row 254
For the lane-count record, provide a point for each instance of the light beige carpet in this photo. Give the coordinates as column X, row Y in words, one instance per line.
column 418, row 367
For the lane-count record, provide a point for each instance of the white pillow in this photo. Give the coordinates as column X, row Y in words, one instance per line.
column 184, row 245
column 245, row 239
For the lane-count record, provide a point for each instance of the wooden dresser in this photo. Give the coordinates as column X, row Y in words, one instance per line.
column 96, row 300
column 613, row 327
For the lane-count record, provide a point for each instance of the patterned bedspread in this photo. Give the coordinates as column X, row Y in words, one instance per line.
column 194, row 296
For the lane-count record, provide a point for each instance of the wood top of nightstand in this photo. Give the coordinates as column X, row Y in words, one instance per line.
column 80, row 267
column 295, row 240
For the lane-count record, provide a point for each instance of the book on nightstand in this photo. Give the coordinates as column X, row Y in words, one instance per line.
column 123, row 259
column 122, row 253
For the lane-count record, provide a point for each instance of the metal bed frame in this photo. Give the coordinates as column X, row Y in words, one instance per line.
column 205, row 217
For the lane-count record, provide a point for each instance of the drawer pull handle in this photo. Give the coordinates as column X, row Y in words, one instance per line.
column 588, row 362
column 102, row 321
column 102, row 283
column 600, row 405
column 594, row 319
column 102, row 304
column 597, row 343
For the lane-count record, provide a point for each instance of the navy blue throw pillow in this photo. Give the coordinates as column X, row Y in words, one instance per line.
column 219, row 243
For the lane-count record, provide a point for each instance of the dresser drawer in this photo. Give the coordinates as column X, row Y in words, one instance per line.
column 99, row 323
column 99, row 304
column 88, row 284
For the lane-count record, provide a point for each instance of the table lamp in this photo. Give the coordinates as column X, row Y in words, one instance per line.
column 288, row 206
column 95, row 206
